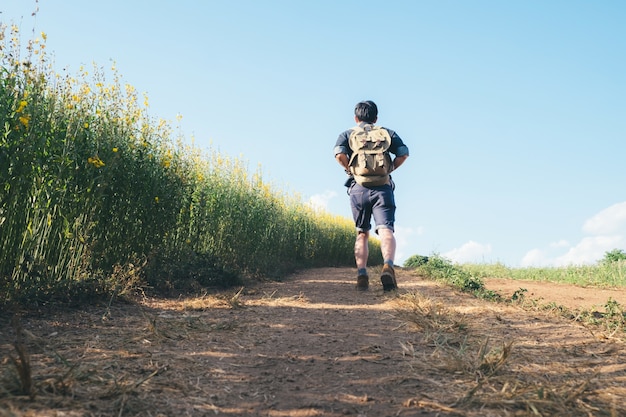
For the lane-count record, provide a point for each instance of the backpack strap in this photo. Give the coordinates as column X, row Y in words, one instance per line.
column 367, row 128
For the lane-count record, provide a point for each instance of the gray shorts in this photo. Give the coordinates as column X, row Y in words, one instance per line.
column 378, row 202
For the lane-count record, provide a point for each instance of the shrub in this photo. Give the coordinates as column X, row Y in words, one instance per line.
column 415, row 261
column 613, row 256
column 442, row 269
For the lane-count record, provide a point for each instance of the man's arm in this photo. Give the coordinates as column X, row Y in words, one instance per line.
column 342, row 158
column 398, row 148
column 399, row 160
column 342, row 150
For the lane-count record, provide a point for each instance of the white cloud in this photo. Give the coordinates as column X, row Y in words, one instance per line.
column 607, row 229
column 609, row 221
column 589, row 250
column 535, row 257
column 560, row 244
column 405, row 242
column 469, row 252
column 320, row 201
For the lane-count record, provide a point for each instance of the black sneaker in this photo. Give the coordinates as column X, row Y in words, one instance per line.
column 388, row 278
column 362, row 282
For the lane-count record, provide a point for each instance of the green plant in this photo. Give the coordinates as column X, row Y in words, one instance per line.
column 415, row 261
column 519, row 294
column 92, row 185
column 442, row 269
column 614, row 317
column 616, row 255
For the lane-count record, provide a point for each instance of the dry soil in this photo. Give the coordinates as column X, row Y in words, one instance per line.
column 312, row 345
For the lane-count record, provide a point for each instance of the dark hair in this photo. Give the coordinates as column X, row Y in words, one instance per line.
column 366, row 111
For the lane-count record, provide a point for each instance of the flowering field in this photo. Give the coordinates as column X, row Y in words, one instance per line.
column 97, row 197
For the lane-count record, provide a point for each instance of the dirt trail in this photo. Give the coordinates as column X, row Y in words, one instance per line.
column 313, row 346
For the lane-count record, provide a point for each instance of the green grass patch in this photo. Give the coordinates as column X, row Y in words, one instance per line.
column 441, row 269
column 603, row 274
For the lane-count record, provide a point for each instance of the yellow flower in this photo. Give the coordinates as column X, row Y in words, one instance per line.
column 95, row 161
column 44, row 36
column 21, row 107
column 156, row 199
column 114, row 149
column 25, row 119
column 86, row 125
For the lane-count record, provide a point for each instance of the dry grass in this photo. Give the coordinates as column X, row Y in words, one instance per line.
column 496, row 373
column 309, row 346
column 107, row 370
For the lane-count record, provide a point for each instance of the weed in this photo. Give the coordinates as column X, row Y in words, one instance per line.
column 611, row 322
column 21, row 363
column 442, row 269
column 519, row 295
column 235, row 301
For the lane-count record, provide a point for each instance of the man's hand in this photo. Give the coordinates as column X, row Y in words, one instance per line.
column 342, row 158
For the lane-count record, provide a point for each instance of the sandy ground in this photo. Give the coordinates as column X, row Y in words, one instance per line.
column 313, row 346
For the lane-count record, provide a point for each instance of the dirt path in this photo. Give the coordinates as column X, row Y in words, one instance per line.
column 313, row 346
column 570, row 296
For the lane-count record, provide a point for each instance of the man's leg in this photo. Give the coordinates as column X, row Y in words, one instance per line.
column 388, row 249
column 361, row 212
column 361, row 250
column 384, row 210
column 387, row 244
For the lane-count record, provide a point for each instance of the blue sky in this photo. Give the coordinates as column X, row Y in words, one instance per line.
column 514, row 112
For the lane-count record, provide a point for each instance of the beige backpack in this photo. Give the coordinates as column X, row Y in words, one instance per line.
column 370, row 163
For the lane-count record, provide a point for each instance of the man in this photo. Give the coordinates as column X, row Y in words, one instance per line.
column 364, row 152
